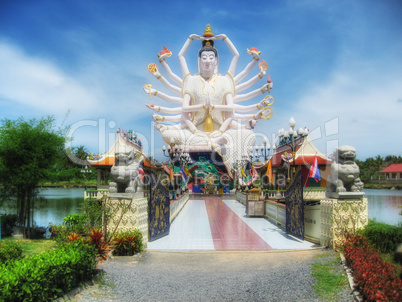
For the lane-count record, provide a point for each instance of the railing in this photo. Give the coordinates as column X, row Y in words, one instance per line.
column 177, row 205
column 314, row 194
column 276, row 212
column 95, row 194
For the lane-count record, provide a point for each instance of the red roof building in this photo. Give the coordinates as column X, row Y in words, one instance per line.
column 393, row 172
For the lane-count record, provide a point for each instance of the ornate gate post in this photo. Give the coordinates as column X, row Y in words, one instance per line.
column 345, row 210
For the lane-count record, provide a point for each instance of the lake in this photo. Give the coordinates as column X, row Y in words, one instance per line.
column 59, row 202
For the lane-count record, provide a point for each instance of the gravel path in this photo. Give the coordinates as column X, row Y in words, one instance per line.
column 208, row 276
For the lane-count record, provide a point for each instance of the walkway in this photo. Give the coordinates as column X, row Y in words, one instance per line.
column 216, row 224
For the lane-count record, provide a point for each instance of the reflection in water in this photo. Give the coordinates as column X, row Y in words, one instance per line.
column 383, row 205
column 57, row 203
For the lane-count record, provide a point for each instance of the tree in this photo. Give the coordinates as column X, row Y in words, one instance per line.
column 27, row 150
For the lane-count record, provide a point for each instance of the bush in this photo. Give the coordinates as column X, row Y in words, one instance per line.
column 10, row 251
column 73, row 223
column 8, row 221
column 377, row 280
column 127, row 243
column 47, row 275
column 382, row 236
column 93, row 210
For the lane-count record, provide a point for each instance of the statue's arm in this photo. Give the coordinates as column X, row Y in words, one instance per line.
column 233, row 50
column 252, row 94
column 256, row 116
column 191, row 108
column 246, row 70
column 166, row 83
column 176, row 110
column 163, row 118
column 267, row 101
column 183, row 52
column 251, row 82
column 190, row 125
column 170, row 74
column 163, row 96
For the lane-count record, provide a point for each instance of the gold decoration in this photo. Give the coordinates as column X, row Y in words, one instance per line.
column 208, row 32
column 149, row 86
column 209, row 125
column 263, row 65
column 153, row 68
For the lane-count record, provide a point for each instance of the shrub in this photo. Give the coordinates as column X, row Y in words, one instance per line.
column 382, row 236
column 47, row 275
column 96, row 239
column 10, row 251
column 127, row 243
column 8, row 221
column 93, row 210
column 72, row 224
column 376, row 279
column 77, row 223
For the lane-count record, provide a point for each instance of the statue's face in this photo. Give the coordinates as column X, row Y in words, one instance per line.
column 208, row 61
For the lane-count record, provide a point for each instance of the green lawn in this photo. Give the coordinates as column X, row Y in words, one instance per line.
column 35, row 246
column 330, row 277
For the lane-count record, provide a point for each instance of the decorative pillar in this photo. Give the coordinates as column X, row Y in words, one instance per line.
column 127, row 212
column 340, row 216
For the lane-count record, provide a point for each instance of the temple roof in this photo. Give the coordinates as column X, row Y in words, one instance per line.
column 305, row 153
column 107, row 159
column 394, row 168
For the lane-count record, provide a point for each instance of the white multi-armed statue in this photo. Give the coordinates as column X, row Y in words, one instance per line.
column 209, row 118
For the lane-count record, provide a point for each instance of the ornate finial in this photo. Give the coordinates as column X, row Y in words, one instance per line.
column 208, row 32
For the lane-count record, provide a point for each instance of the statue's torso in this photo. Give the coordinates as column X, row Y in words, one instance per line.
column 201, row 90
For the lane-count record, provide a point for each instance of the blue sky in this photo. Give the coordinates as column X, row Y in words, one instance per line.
column 336, row 65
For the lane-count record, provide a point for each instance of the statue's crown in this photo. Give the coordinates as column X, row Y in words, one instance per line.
column 208, row 32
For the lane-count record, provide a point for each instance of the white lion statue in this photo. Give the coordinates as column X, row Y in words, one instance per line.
column 124, row 173
column 345, row 173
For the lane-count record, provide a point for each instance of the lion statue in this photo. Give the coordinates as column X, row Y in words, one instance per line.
column 124, row 173
column 345, row 172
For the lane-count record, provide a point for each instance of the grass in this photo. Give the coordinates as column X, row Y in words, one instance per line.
column 35, row 246
column 330, row 277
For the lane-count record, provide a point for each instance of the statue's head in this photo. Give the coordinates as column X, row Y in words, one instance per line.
column 208, row 59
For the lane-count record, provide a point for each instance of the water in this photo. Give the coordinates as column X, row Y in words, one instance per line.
column 383, row 205
column 57, row 203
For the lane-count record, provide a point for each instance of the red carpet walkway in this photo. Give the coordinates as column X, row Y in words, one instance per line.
column 214, row 224
column 229, row 232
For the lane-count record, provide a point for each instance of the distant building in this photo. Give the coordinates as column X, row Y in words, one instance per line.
column 393, row 173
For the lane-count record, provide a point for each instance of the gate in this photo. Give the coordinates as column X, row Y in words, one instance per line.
column 158, row 209
column 295, row 208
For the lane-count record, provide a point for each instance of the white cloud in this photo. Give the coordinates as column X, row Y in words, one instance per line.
column 38, row 83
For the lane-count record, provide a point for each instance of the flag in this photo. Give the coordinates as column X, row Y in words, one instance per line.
column 183, row 174
column 171, row 173
column 242, row 172
column 315, row 170
column 141, row 171
column 269, row 172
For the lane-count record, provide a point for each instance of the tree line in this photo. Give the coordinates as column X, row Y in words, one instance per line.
column 371, row 167
column 33, row 152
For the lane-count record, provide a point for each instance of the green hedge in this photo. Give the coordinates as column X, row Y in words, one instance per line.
column 47, row 275
column 10, row 251
column 382, row 236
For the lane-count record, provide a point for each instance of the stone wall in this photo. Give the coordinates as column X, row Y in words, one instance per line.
column 341, row 216
column 127, row 212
